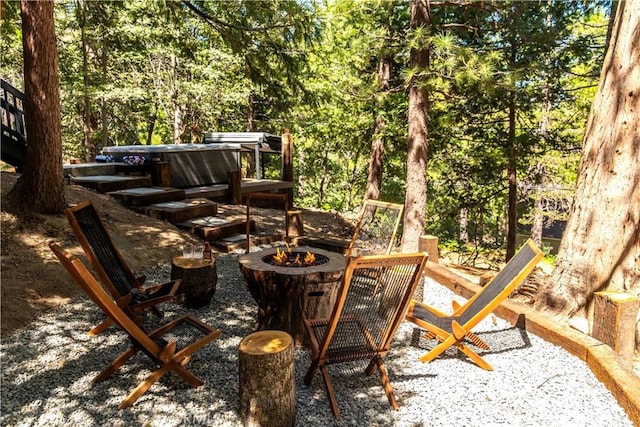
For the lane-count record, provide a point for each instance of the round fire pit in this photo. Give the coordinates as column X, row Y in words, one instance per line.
column 287, row 294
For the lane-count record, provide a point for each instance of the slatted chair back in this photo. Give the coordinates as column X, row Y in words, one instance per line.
column 376, row 230
column 100, row 249
column 371, row 304
column 501, row 286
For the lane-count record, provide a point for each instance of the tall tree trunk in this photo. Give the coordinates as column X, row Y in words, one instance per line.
column 323, row 180
column 251, row 112
column 537, row 222
column 104, row 112
column 376, row 160
column 376, row 156
column 479, row 237
column 179, row 126
column 512, row 206
column 416, row 191
column 251, row 158
column 41, row 186
column 152, row 123
column 463, row 222
column 601, row 245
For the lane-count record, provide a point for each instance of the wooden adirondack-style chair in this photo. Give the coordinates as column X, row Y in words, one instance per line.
column 376, row 229
column 187, row 334
column 456, row 329
column 371, row 304
column 115, row 273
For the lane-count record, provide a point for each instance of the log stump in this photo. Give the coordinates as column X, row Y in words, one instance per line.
column 429, row 244
column 267, row 379
column 614, row 321
column 199, row 279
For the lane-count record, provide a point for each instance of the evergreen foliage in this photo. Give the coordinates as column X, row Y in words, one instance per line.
column 147, row 72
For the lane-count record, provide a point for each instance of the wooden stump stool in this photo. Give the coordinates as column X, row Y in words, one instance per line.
column 267, row 379
column 199, row 279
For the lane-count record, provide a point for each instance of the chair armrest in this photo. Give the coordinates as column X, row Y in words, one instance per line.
column 168, row 288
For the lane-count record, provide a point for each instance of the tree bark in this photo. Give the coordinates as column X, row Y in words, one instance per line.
column 463, row 222
column 376, row 159
column 41, row 186
column 416, row 191
column 512, row 206
column 376, row 156
column 266, row 379
column 601, row 245
column 104, row 111
column 537, row 222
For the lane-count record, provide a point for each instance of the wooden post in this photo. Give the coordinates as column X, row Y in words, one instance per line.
column 296, row 224
column 287, row 164
column 161, row 174
column 235, row 187
column 614, row 321
column 429, row 244
column 267, row 379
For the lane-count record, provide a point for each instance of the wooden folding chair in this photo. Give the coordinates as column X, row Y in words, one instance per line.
column 185, row 335
column 456, row 329
column 369, row 308
column 111, row 266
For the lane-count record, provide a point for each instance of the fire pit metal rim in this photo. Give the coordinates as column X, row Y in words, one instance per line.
column 254, row 259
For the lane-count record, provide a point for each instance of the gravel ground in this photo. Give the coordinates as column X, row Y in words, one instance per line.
column 47, row 370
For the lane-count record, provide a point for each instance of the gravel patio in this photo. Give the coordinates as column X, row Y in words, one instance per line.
column 47, row 370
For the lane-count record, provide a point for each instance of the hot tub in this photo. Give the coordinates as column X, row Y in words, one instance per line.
column 194, row 165
column 191, row 165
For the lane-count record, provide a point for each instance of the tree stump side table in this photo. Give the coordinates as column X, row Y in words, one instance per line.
column 199, row 279
column 267, row 379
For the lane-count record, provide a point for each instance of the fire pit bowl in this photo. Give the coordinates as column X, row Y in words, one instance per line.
column 287, row 294
column 295, row 258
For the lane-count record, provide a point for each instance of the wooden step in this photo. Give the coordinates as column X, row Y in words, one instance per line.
column 213, row 228
column 239, row 241
column 109, row 183
column 148, row 195
column 176, row 212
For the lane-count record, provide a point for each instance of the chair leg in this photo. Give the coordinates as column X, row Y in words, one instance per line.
column 438, row 350
column 311, row 372
column 330, row 392
column 143, row 387
column 386, row 383
column 113, row 366
column 191, row 379
column 101, row 327
column 474, row 356
column 370, row 367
